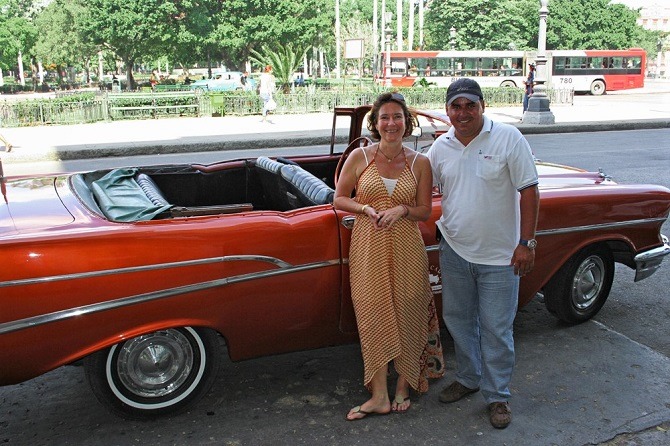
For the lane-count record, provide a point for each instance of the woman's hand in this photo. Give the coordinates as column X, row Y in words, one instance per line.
column 385, row 219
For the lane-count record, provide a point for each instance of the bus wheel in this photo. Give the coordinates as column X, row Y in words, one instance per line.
column 508, row 84
column 597, row 88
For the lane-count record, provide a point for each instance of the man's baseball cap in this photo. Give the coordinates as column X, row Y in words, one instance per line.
column 464, row 88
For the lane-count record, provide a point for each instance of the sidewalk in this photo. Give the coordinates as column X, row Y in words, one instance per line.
column 615, row 111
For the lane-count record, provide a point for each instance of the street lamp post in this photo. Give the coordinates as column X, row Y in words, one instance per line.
column 387, row 31
column 538, row 104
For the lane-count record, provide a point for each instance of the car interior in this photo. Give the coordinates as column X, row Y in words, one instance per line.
column 159, row 192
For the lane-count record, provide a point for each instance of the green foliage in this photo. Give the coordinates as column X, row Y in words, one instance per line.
column 424, row 83
column 594, row 24
column 284, row 62
column 59, row 23
column 482, row 24
column 17, row 32
column 135, row 29
column 246, row 25
column 183, row 32
column 507, row 24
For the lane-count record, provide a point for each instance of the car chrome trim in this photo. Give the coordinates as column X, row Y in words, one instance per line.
column 157, row 266
column 647, row 262
column 56, row 316
column 599, row 226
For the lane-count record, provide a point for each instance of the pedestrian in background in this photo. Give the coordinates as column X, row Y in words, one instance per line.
column 390, row 289
column 153, row 79
column 490, row 203
column 529, row 83
column 266, row 90
column 8, row 146
column 245, row 81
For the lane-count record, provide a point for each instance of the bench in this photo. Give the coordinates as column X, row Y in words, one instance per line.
column 119, row 104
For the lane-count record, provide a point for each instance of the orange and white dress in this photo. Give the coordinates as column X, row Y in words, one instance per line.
column 391, row 293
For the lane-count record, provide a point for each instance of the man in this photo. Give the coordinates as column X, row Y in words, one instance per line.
column 529, row 82
column 489, row 213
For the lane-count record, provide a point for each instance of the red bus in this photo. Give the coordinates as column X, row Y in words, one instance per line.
column 597, row 71
column 593, row 71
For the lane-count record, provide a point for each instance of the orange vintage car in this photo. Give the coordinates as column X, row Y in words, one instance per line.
column 142, row 272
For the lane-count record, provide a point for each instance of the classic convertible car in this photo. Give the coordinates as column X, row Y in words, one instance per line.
column 142, row 272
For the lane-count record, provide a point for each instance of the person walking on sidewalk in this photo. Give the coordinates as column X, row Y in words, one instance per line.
column 529, row 83
column 390, row 288
column 490, row 205
column 8, row 146
column 266, row 89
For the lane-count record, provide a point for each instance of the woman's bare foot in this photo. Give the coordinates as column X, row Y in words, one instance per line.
column 401, row 402
column 370, row 407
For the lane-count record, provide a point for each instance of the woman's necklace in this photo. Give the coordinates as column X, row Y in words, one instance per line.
column 389, row 159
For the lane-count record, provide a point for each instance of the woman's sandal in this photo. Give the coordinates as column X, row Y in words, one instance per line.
column 358, row 409
column 397, row 401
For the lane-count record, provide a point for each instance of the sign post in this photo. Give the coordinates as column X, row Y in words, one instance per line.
column 353, row 49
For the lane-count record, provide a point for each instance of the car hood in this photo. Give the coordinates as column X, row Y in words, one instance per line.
column 555, row 176
column 28, row 204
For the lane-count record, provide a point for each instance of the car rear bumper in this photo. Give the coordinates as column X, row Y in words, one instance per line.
column 647, row 262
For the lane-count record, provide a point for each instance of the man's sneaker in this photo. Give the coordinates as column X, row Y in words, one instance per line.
column 500, row 414
column 455, row 391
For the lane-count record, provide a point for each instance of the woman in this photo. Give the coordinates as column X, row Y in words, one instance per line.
column 266, row 89
column 393, row 301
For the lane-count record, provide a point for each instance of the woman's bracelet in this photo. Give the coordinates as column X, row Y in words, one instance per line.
column 406, row 210
column 363, row 208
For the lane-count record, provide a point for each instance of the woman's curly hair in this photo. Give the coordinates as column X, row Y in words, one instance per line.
column 385, row 98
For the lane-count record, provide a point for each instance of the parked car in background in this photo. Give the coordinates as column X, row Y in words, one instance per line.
column 220, row 81
column 141, row 272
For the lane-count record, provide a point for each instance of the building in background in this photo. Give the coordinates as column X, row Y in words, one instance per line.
column 655, row 16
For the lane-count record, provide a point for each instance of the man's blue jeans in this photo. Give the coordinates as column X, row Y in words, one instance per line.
column 479, row 303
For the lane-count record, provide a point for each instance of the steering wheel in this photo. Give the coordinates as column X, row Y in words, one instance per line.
column 361, row 141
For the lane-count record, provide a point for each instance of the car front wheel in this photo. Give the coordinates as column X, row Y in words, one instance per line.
column 580, row 288
column 155, row 374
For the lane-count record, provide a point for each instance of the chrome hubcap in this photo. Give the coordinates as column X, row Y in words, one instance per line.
column 588, row 282
column 156, row 364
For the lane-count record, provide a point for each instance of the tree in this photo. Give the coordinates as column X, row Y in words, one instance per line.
column 482, row 24
column 60, row 41
column 17, row 32
column 284, row 63
column 136, row 29
column 246, row 25
column 594, row 24
column 505, row 24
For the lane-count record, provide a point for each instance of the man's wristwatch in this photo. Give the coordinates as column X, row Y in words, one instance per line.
column 530, row 244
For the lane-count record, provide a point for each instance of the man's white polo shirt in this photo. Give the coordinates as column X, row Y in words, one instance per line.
column 480, row 201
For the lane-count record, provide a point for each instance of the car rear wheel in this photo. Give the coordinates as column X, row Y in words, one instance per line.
column 580, row 288
column 509, row 84
column 155, row 374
